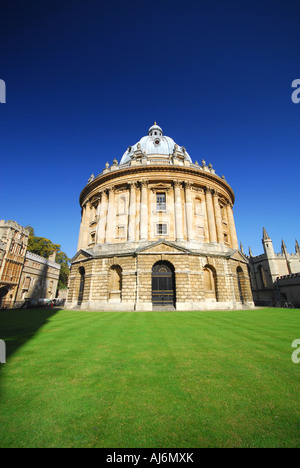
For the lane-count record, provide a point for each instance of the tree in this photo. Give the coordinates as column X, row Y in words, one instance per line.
column 63, row 260
column 45, row 247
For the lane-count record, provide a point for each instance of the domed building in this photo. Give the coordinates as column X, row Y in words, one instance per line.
column 157, row 232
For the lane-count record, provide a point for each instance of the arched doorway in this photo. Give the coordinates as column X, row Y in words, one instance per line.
column 163, row 284
column 81, row 285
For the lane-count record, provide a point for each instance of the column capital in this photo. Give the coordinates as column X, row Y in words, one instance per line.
column 111, row 189
column 144, row 183
column 95, row 201
column 104, row 195
column 87, row 204
column 209, row 190
column 188, row 185
column 177, row 183
column 216, row 193
column 132, row 185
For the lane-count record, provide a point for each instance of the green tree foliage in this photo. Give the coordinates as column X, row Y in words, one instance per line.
column 63, row 260
column 45, row 247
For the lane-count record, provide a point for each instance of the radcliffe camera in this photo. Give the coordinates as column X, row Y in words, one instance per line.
column 149, row 227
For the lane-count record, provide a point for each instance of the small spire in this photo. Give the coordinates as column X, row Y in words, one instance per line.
column 265, row 234
column 155, row 123
column 250, row 252
column 242, row 248
column 283, row 247
column 297, row 248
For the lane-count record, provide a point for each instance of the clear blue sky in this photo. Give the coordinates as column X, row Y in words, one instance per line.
column 86, row 79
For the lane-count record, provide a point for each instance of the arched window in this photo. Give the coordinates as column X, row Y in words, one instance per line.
column 122, row 205
column 81, row 285
column 210, row 283
column 224, row 213
column 93, row 237
column 50, row 290
column 198, row 207
column 27, row 282
column 115, row 284
column 241, row 284
column 262, row 277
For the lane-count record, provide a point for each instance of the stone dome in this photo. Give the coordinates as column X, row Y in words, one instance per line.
column 155, row 144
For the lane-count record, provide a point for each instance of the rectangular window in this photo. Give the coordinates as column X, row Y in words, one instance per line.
column 161, row 229
column 200, row 231
column 161, row 202
column 93, row 238
column 121, row 232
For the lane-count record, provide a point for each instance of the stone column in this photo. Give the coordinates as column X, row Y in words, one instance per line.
column 211, row 216
column 178, row 210
column 132, row 213
column 80, row 238
column 233, row 236
column 102, row 219
column 218, row 216
column 84, row 231
column 189, row 211
column 144, row 210
column 110, row 218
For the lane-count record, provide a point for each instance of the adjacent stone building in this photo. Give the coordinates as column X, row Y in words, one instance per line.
column 275, row 277
column 23, row 275
column 13, row 246
column 157, row 231
column 39, row 278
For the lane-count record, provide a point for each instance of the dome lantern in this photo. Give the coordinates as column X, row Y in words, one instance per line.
column 155, row 130
column 155, row 144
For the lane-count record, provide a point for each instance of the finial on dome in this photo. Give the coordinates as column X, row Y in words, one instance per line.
column 155, row 130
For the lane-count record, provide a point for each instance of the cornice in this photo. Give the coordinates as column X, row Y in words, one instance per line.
column 142, row 170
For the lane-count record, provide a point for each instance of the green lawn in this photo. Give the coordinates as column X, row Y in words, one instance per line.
column 153, row 379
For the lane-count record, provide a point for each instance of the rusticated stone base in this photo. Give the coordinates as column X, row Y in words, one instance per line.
column 208, row 280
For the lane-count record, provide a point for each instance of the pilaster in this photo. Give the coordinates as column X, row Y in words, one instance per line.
column 144, row 210
column 210, row 216
column 178, row 210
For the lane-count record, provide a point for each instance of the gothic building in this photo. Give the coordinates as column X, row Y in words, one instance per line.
column 157, row 231
column 24, row 276
column 275, row 277
column 13, row 246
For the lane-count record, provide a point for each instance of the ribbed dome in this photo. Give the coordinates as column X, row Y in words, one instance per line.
column 155, row 143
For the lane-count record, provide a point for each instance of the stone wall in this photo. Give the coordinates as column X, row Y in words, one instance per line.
column 136, row 272
column 39, row 279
